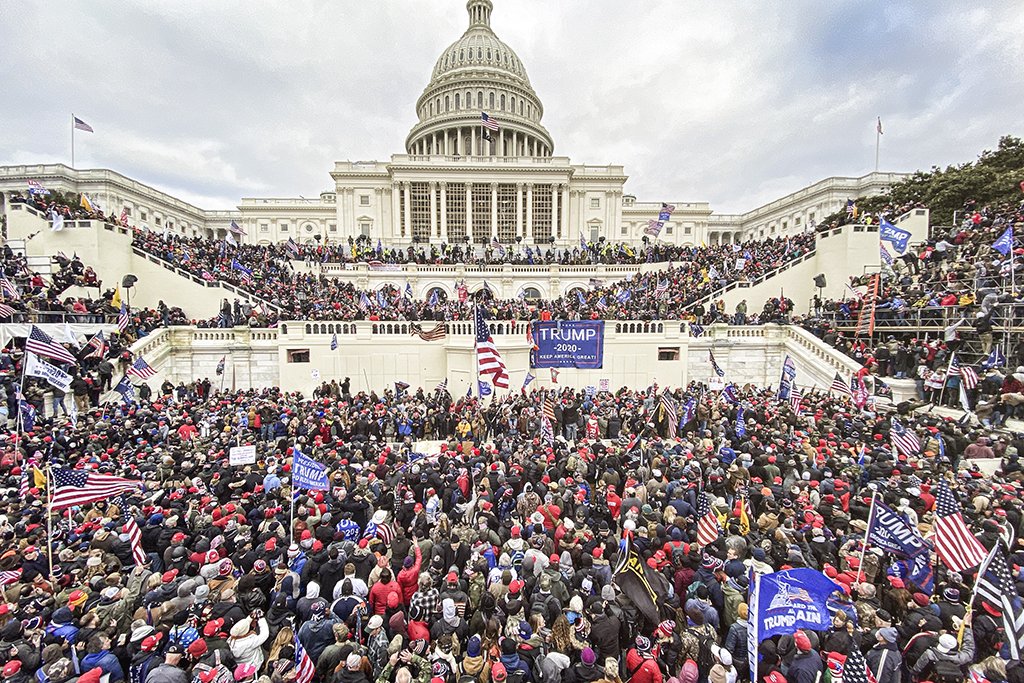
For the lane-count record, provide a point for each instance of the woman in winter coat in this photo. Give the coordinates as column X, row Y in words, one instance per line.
column 247, row 638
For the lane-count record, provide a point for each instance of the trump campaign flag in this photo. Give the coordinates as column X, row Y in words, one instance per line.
column 897, row 237
column 784, row 601
column 308, row 473
column 895, row 535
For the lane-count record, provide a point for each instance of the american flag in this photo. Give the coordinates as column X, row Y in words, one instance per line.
column 293, row 247
column 132, row 529
column 235, row 228
column 81, row 125
column 547, row 432
column 856, row 670
column 304, row 667
column 8, row 288
column 6, row 311
column 99, row 345
column 996, row 586
column 956, row 545
column 124, row 217
column 554, row 376
column 795, row 397
column 707, row 522
column 718, row 371
column 601, row 304
column 488, row 360
column 661, row 289
column 840, row 386
column 968, row 376
column 123, row 319
column 10, row 576
column 141, row 369
column 488, row 122
column 442, row 386
column 78, row 487
column 220, row 365
column 671, row 415
column 905, row 440
column 439, row 331
column 549, row 409
column 40, row 343
column 24, row 487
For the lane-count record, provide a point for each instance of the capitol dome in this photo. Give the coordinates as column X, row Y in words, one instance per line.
column 479, row 74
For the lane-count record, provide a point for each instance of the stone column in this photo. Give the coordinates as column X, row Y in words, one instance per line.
column 407, row 223
column 529, row 210
column 519, row 211
column 565, row 212
column 494, row 209
column 444, row 210
column 515, row 144
column 395, row 213
column 433, row 209
column 473, row 144
column 554, row 209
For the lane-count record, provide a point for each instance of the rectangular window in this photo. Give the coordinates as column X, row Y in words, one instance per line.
column 687, row 230
column 668, row 229
column 668, row 353
column 159, row 221
column 542, row 214
column 624, row 231
column 264, row 227
column 785, row 224
column 364, row 228
column 419, row 197
column 506, row 213
column 298, row 355
column 364, row 200
column 810, row 217
column 481, row 212
column 455, row 207
column 332, row 227
column 142, row 215
column 798, row 220
column 595, row 203
column 284, row 227
column 127, row 211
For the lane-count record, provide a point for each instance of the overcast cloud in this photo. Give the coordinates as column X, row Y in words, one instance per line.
column 736, row 103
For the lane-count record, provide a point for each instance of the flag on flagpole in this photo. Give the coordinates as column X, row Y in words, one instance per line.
column 671, row 414
column 795, row 398
column 131, row 527
column 334, row 342
column 304, row 666
column 996, row 586
column 905, row 440
column 220, row 365
column 86, row 203
column 8, row 288
column 956, row 545
column 708, row 528
column 488, row 122
column 1004, row 245
column 123, row 319
column 488, row 360
column 840, row 386
column 878, row 126
column 696, row 330
column 78, row 487
column 82, row 125
column 141, row 369
column 442, row 386
column 126, row 389
column 714, row 366
column 41, row 344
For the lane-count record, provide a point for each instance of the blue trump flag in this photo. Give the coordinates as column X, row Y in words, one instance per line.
column 896, row 536
column 898, row 237
column 483, row 388
column 308, row 473
column 1005, row 242
column 784, row 601
column 125, row 388
column 741, row 428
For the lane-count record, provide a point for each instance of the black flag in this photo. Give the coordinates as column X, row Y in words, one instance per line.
column 644, row 587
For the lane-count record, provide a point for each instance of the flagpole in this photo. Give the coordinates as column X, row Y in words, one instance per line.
column 878, row 140
column 49, row 519
column 864, row 544
column 21, row 392
column 72, row 139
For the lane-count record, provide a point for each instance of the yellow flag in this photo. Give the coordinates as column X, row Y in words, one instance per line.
column 38, row 478
column 86, row 204
column 115, row 300
column 744, row 520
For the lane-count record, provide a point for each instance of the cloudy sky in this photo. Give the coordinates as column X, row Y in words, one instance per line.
column 736, row 103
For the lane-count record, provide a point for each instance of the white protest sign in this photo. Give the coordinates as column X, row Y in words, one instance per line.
column 242, row 455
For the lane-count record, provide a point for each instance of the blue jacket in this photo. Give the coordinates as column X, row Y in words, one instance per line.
column 106, row 661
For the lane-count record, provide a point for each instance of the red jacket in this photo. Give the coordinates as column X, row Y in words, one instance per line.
column 408, row 578
column 379, row 595
column 648, row 671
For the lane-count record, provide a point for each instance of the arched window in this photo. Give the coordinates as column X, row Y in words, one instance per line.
column 520, row 107
column 480, row 99
column 531, row 293
column 462, row 55
column 488, row 54
column 442, row 297
column 458, row 101
column 479, row 53
column 512, row 105
column 492, row 100
column 431, row 108
column 446, row 103
column 469, row 99
column 503, row 103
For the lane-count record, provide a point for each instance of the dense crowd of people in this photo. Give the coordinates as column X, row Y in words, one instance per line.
column 488, row 553
column 267, row 272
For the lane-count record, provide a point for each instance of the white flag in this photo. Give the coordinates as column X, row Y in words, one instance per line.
column 71, row 337
column 58, row 220
column 51, row 373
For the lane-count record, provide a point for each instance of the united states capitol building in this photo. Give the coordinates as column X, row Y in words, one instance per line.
column 459, row 181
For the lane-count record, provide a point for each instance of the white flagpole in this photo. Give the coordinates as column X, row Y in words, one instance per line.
column 49, row 519
column 72, row 139
column 878, row 141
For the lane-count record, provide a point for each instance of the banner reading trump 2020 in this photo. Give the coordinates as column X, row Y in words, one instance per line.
column 568, row 344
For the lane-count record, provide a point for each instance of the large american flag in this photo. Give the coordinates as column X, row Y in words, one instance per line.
column 795, row 397
column 662, row 288
column 8, row 288
column 671, row 415
column 839, row 385
column 905, row 440
column 488, row 122
column 41, row 344
column 131, row 528
column 10, row 576
column 488, row 360
column 995, row 585
column 141, row 369
column 856, row 670
column 304, row 667
column 956, row 545
column 968, row 377
column 707, row 522
column 99, row 344
column 78, row 487
column 6, row 311
column 439, row 331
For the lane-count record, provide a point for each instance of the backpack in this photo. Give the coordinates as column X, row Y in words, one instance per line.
column 946, row 671
column 516, row 676
column 691, row 590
